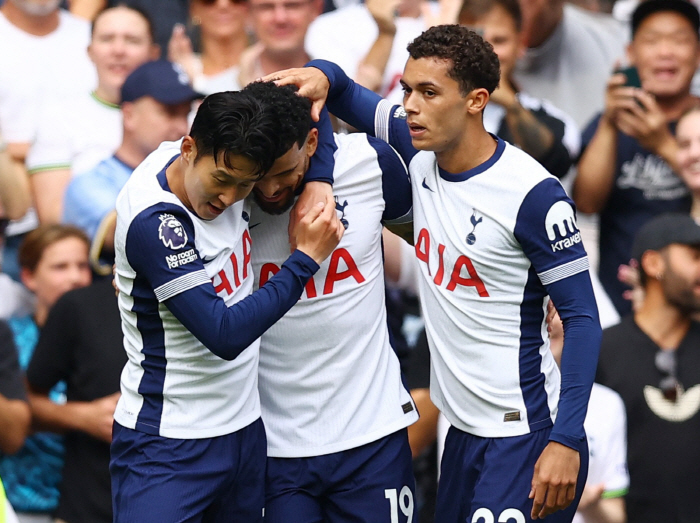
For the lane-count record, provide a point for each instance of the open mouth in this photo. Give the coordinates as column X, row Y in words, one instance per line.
column 214, row 210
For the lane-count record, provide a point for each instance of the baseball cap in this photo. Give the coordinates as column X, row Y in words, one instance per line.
column 663, row 230
column 164, row 81
column 649, row 7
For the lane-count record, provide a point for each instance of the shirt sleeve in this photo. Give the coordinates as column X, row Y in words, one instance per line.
column 547, row 231
column 189, row 294
column 615, row 476
column 52, row 149
column 87, row 202
column 323, row 161
column 366, row 110
column 396, row 184
column 11, row 385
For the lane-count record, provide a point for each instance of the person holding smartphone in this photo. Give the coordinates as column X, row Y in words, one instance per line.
column 627, row 171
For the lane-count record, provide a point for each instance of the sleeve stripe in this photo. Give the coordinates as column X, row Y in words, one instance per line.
column 618, row 493
column 564, row 271
column 381, row 120
column 183, row 283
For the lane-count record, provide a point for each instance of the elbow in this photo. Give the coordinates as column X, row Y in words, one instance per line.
column 16, row 433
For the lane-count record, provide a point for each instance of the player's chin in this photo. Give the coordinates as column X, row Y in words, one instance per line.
column 274, row 207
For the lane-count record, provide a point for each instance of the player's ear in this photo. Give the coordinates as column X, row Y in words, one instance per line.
column 476, row 100
column 311, row 142
column 188, row 149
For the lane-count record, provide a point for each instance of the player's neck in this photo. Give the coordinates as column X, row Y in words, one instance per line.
column 175, row 174
column 473, row 150
column 34, row 25
column 664, row 323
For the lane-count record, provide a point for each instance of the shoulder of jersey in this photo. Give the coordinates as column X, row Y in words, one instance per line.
column 522, row 166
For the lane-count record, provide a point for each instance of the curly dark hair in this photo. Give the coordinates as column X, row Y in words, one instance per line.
column 261, row 122
column 474, row 62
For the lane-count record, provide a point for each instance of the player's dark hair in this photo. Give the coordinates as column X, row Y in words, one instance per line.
column 474, row 63
column 38, row 240
column 135, row 8
column 476, row 9
column 239, row 123
column 292, row 111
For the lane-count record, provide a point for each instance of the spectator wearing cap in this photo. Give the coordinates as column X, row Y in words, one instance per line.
column 627, row 172
column 75, row 133
column 652, row 359
column 155, row 102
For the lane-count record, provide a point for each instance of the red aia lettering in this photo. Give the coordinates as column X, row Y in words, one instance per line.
column 333, row 274
column 423, row 247
column 268, row 270
column 224, row 284
column 472, row 281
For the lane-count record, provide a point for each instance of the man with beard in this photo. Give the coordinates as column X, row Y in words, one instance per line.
column 333, row 402
column 652, row 360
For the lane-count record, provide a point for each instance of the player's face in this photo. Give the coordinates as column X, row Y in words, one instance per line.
column 148, row 123
column 499, row 29
column 63, row 267
column 665, row 50
column 220, row 18
column 436, row 109
column 274, row 194
column 688, row 136
column 681, row 278
column 120, row 43
column 281, row 25
column 210, row 186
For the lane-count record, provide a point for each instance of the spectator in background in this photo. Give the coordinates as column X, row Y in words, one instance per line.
column 688, row 158
column 570, row 53
column 626, row 172
column 223, row 38
column 81, row 345
column 534, row 125
column 280, row 27
column 155, row 101
column 46, row 57
column 54, row 260
column 75, row 134
column 652, row 360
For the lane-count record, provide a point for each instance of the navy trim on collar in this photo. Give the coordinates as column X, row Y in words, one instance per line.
column 162, row 179
column 463, row 176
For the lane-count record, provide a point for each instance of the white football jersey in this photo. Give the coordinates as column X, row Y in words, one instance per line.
column 329, row 378
column 488, row 240
column 172, row 385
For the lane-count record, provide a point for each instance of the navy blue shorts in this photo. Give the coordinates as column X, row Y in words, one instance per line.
column 370, row 484
column 156, row 479
column 485, row 480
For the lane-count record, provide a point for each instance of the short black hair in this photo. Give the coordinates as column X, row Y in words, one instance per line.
column 292, row 111
column 134, row 8
column 261, row 123
column 474, row 62
column 479, row 8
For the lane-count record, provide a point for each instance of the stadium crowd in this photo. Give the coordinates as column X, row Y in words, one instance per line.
column 602, row 93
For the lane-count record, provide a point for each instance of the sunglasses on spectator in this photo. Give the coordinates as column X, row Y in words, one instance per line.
column 666, row 363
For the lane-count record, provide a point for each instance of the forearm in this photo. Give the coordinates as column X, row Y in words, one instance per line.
column 60, row 418
column 14, row 186
column 596, row 170
column 529, row 134
column 610, row 510
column 15, row 418
column 668, row 150
column 370, row 72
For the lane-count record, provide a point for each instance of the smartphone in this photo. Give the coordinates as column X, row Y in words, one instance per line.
column 632, row 76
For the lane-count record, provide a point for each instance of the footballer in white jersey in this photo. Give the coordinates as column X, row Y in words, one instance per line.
column 333, row 402
column 188, row 440
column 496, row 236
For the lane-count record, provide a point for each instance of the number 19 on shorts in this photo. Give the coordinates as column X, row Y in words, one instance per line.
column 403, row 502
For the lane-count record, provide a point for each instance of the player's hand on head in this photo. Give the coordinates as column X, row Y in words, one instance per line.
column 554, row 480
column 313, row 193
column 318, row 233
column 312, row 84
